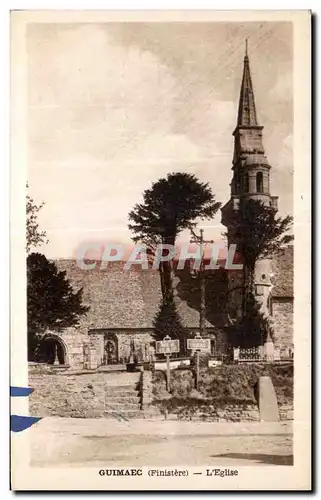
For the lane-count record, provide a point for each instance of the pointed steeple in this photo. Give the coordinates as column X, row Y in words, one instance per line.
column 247, row 110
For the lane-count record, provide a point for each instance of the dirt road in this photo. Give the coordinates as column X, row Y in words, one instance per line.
column 102, row 442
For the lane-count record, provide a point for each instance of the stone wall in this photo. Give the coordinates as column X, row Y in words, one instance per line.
column 220, row 413
column 282, row 321
column 141, row 341
column 286, row 412
column 66, row 393
column 79, row 396
column 73, row 339
column 227, row 392
column 63, row 392
column 122, row 341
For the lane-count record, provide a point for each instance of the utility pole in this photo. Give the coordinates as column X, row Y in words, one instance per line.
column 199, row 239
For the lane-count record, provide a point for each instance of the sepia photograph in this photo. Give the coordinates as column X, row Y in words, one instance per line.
column 157, row 190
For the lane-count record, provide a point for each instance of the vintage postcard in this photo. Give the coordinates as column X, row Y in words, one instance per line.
column 160, row 250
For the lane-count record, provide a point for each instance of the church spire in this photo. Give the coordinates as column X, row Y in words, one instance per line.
column 247, row 110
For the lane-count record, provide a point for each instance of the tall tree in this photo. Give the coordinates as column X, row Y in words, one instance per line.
column 171, row 205
column 35, row 236
column 52, row 303
column 168, row 322
column 253, row 328
column 258, row 232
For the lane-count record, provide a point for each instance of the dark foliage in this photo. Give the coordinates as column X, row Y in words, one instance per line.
column 253, row 328
column 171, row 205
column 258, row 232
column 168, row 322
column 35, row 236
column 52, row 304
column 216, row 290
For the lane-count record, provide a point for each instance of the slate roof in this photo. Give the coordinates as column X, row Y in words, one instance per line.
column 125, row 299
column 131, row 299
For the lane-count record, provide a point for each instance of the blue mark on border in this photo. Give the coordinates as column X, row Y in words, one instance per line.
column 19, row 392
column 19, row 423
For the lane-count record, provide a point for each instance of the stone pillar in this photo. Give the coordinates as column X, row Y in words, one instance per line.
column 261, row 352
column 236, row 353
column 92, row 359
column 268, row 405
column 86, row 356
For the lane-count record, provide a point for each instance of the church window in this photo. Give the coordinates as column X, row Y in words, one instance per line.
column 246, row 183
column 259, row 182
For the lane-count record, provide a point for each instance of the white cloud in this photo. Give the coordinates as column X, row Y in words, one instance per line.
column 283, row 88
column 105, row 120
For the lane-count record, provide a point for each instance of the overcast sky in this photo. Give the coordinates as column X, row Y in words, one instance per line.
column 113, row 107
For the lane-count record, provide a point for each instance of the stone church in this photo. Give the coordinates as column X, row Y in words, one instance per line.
column 123, row 304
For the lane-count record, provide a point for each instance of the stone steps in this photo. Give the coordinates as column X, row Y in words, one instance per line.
column 122, row 398
column 122, row 379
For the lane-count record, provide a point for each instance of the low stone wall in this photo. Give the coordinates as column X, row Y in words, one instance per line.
column 67, row 393
column 44, row 368
column 221, row 413
column 62, row 391
column 208, row 412
column 286, row 412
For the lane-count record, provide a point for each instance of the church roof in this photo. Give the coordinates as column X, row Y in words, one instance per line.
column 130, row 299
column 247, row 110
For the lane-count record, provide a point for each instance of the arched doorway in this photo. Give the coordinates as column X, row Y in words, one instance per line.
column 53, row 350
